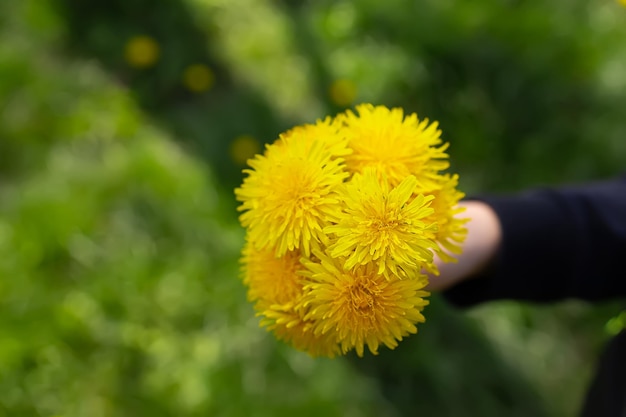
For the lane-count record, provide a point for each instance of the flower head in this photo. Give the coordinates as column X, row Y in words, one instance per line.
column 383, row 226
column 327, row 132
column 290, row 192
column 288, row 323
column 276, row 287
column 271, row 279
column 361, row 307
column 394, row 145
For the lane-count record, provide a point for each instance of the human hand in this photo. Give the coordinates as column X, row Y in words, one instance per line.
column 481, row 244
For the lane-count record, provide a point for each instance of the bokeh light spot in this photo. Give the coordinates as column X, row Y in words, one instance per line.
column 141, row 51
column 198, row 78
column 243, row 148
column 342, row 92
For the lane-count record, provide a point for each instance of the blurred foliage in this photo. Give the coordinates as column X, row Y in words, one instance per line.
column 124, row 125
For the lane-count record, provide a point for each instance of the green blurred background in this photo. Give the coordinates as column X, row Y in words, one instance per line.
column 124, row 126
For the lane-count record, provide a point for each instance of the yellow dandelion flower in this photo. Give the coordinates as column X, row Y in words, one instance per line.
column 395, row 145
column 290, row 193
column 141, row 51
column 451, row 229
column 271, row 279
column 277, row 290
column 324, row 131
column 288, row 324
column 622, row 2
column 383, row 226
column 361, row 307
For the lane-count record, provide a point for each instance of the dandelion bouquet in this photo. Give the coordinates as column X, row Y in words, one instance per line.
column 343, row 220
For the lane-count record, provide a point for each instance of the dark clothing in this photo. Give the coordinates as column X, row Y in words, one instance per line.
column 607, row 394
column 559, row 243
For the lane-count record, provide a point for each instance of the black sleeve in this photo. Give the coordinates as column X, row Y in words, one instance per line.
column 557, row 243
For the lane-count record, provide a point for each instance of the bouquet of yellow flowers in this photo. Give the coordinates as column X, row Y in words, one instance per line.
column 343, row 219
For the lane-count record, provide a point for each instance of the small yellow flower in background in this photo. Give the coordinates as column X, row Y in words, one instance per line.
column 342, row 217
column 243, row 148
column 342, row 92
column 141, row 51
column 396, row 146
column 198, row 78
column 622, row 2
column 383, row 226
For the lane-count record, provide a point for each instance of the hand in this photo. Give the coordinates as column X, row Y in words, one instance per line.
column 481, row 244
